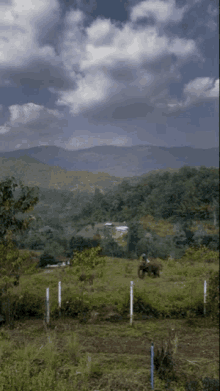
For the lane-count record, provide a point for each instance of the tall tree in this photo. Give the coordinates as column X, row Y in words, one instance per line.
column 135, row 233
column 11, row 204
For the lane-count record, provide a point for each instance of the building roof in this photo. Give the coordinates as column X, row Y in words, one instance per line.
column 121, row 228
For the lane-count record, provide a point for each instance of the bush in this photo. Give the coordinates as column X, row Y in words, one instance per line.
column 28, row 305
column 210, row 384
column 213, row 294
column 79, row 243
column 155, row 246
column 183, row 237
column 111, row 248
column 164, row 364
column 47, row 259
column 201, row 238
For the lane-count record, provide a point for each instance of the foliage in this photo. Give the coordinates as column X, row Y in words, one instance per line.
column 13, row 202
column 47, row 259
column 88, row 260
column 164, row 363
column 211, row 241
column 210, row 384
column 201, row 254
column 79, row 243
column 135, row 233
column 111, row 248
column 10, row 204
column 183, row 196
column 54, row 248
column 10, row 262
column 155, row 246
column 213, row 295
column 160, row 227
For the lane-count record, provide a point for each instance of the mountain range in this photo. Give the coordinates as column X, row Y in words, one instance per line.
column 100, row 166
column 120, row 161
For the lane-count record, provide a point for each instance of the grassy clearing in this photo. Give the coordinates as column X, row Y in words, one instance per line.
column 178, row 290
column 107, row 356
column 95, row 324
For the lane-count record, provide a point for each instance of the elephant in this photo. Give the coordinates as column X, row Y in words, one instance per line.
column 148, row 268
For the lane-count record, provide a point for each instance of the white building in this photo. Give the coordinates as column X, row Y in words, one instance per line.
column 121, row 229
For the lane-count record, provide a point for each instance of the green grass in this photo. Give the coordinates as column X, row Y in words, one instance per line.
column 35, row 358
column 178, row 290
column 73, row 356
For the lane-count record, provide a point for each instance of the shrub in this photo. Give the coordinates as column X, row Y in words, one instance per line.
column 213, row 294
column 47, row 259
column 210, row 384
column 201, row 238
column 164, row 364
column 155, row 246
column 28, row 305
column 88, row 260
column 183, row 237
column 79, row 243
column 111, row 248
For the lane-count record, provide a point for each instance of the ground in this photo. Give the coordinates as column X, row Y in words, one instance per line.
column 117, row 347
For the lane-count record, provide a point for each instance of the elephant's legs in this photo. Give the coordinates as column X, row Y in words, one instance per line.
column 141, row 272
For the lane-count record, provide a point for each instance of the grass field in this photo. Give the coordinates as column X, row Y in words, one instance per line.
column 93, row 347
column 107, row 356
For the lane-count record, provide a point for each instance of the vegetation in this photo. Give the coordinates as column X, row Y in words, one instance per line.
column 58, row 359
column 12, row 203
column 172, row 217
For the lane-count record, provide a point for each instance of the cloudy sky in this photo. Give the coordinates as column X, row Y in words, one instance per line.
column 82, row 73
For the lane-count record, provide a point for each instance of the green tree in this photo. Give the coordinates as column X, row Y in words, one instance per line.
column 88, row 260
column 135, row 233
column 11, row 203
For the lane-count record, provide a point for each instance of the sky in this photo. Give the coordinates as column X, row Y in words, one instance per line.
column 82, row 73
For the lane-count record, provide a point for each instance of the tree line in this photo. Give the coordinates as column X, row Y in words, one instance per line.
column 181, row 197
column 187, row 195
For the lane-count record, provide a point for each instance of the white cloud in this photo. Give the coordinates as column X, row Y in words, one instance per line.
column 201, row 89
column 4, row 129
column 20, row 23
column 103, row 72
column 31, row 123
column 111, row 60
column 87, row 140
column 23, row 58
column 162, row 11
column 30, row 112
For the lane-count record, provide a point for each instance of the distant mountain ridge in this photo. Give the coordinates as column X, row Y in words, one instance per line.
column 116, row 161
column 34, row 173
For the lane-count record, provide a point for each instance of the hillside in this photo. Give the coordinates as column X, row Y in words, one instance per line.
column 119, row 161
column 35, row 173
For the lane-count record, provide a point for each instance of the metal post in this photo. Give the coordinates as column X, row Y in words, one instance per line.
column 131, row 303
column 152, row 365
column 204, row 298
column 59, row 297
column 47, row 307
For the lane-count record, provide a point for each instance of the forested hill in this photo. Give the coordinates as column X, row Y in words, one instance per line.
column 189, row 194
column 158, row 201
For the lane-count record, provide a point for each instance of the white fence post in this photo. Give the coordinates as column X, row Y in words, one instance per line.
column 59, row 297
column 131, row 303
column 205, row 297
column 47, row 307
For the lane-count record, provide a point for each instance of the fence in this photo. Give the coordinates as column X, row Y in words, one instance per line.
column 9, row 314
column 47, row 317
